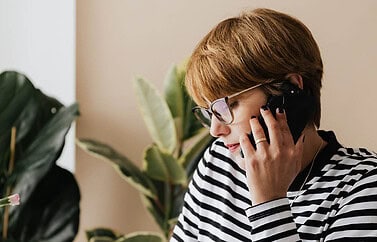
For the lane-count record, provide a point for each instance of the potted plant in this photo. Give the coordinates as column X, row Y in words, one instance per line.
column 33, row 127
column 168, row 163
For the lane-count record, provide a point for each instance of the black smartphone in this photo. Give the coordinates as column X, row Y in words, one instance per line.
column 298, row 106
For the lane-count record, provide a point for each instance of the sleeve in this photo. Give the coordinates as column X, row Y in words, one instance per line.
column 354, row 216
column 272, row 221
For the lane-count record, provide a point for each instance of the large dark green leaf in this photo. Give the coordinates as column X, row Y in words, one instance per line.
column 41, row 124
column 127, row 169
column 52, row 210
column 157, row 115
column 48, row 142
column 16, row 91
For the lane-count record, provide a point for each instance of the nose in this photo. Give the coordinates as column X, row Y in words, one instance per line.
column 218, row 128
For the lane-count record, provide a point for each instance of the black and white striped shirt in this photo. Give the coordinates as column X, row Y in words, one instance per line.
column 338, row 202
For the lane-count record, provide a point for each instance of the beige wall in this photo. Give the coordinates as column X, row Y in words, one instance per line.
column 119, row 39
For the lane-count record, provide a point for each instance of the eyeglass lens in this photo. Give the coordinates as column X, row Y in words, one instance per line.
column 219, row 108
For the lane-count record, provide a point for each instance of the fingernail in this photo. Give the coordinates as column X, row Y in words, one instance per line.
column 253, row 117
column 280, row 109
column 264, row 107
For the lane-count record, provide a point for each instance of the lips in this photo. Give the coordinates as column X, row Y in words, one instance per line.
column 233, row 147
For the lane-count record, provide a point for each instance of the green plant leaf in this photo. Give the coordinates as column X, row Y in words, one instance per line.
column 16, row 90
column 192, row 125
column 37, row 158
column 127, row 169
column 174, row 92
column 202, row 141
column 49, row 139
column 157, row 115
column 41, row 124
column 102, row 233
column 154, row 209
column 162, row 166
column 101, row 239
column 142, row 237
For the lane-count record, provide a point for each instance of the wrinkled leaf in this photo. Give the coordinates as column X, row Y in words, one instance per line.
column 157, row 115
column 163, row 166
column 128, row 170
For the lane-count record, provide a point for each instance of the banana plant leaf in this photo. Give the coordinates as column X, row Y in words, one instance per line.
column 41, row 124
column 156, row 115
column 127, row 169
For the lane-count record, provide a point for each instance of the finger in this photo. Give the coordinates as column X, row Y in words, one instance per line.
column 247, row 149
column 258, row 132
column 272, row 125
column 285, row 132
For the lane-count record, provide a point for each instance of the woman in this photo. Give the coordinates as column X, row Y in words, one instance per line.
column 257, row 79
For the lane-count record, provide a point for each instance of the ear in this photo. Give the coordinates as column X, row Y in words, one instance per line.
column 296, row 79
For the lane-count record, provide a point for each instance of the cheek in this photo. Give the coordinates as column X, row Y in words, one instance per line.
column 242, row 117
column 248, row 109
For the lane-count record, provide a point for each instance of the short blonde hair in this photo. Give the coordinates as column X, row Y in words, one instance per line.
column 254, row 47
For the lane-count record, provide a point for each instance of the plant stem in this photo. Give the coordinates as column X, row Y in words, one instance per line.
column 10, row 170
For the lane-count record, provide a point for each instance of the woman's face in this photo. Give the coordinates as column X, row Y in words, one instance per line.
column 243, row 107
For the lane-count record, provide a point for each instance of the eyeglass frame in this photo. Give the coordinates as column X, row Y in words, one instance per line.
column 225, row 100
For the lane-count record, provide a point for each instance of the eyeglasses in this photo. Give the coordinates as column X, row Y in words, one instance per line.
column 220, row 108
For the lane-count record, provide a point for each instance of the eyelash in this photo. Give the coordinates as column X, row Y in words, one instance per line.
column 233, row 104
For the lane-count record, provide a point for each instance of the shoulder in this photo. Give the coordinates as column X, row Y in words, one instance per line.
column 355, row 163
column 357, row 157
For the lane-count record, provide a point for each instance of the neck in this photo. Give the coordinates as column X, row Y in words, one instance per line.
column 312, row 145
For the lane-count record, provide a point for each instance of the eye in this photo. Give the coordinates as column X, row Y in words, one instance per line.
column 233, row 104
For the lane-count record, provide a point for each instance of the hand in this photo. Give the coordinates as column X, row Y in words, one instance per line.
column 271, row 167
